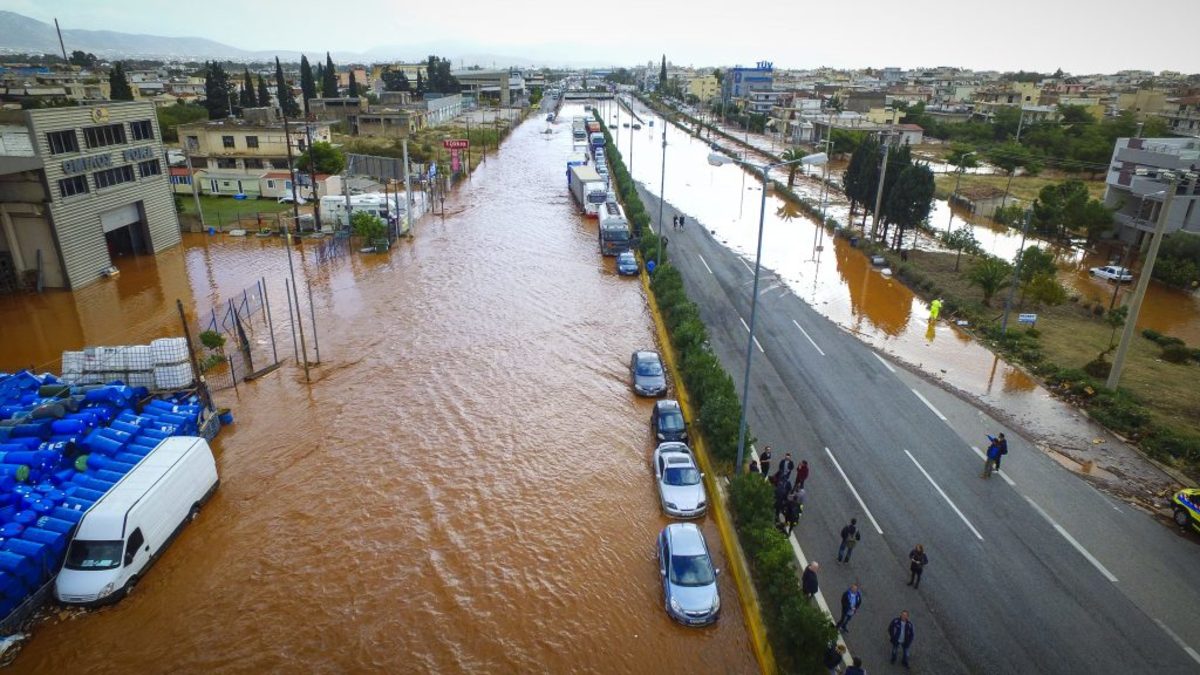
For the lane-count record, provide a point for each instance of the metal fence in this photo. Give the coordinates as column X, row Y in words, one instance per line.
column 249, row 348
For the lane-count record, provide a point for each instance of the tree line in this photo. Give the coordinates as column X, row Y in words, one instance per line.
column 907, row 188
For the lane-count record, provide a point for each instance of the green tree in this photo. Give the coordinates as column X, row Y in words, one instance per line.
column 119, row 89
column 308, row 85
column 329, row 159
column 962, row 156
column 1005, row 122
column 83, row 59
column 662, row 74
column 1116, row 320
column 368, row 225
column 396, row 80
column 329, row 85
column 171, row 116
column 1044, row 289
column 420, row 89
column 962, row 239
column 246, row 97
column 991, row 275
column 264, row 94
column 283, row 91
column 1034, row 261
column 216, row 91
column 1179, row 260
column 910, row 199
column 353, row 89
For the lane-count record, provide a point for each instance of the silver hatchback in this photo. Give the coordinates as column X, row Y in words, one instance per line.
column 646, row 371
column 688, row 577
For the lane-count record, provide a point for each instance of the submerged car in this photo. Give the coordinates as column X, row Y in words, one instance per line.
column 647, row 373
column 667, row 423
column 627, row 264
column 680, row 483
column 1112, row 273
column 689, row 580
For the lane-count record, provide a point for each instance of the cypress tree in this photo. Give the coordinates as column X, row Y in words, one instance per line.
column 247, row 98
column 264, row 94
column 216, row 91
column 307, row 84
column 353, row 84
column 662, row 74
column 420, row 84
column 329, row 86
column 119, row 89
column 287, row 102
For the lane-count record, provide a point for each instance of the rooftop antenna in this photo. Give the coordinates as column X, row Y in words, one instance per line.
column 60, row 40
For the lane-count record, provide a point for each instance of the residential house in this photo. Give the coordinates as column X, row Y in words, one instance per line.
column 1133, row 186
column 1182, row 115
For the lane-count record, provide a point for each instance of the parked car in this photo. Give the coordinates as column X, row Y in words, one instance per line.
column 627, row 264
column 1186, row 505
column 667, row 423
column 680, row 483
column 636, row 126
column 287, row 199
column 647, row 372
column 689, row 580
column 1112, row 273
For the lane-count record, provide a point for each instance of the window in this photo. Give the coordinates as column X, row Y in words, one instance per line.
column 181, row 180
column 227, row 141
column 150, row 167
column 99, row 137
column 225, row 163
column 279, row 164
column 253, row 163
column 135, row 544
column 114, row 176
column 142, row 131
column 75, row 185
column 252, row 141
column 62, row 141
column 193, row 142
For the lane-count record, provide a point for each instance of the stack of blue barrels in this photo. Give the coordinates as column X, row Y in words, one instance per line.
column 62, row 448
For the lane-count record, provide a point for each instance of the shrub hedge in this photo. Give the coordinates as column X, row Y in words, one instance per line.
column 798, row 631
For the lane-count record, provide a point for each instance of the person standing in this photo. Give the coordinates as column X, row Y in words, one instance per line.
column 791, row 513
column 834, row 657
column 1002, row 442
column 851, row 601
column 808, row 580
column 786, row 465
column 992, row 459
column 901, row 633
column 674, row 222
column 857, row 668
column 782, row 488
column 681, row 218
column 764, row 460
column 802, row 473
column 935, row 309
column 917, row 560
column 850, row 537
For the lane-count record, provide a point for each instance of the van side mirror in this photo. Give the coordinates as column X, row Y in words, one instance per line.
column 129, row 557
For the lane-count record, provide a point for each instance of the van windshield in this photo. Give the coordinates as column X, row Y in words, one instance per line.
column 94, row 555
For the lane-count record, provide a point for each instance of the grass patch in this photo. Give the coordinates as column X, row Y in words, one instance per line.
column 227, row 210
column 1024, row 188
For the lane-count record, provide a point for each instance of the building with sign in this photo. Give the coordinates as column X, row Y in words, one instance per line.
column 81, row 187
column 740, row 81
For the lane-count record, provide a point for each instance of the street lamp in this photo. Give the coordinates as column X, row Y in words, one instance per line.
column 662, row 191
column 717, row 159
column 962, row 167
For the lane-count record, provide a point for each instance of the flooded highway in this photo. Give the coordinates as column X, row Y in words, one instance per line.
column 466, row 485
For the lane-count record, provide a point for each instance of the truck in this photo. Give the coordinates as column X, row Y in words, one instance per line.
column 597, row 139
column 579, row 129
column 588, row 188
column 614, row 235
column 593, row 126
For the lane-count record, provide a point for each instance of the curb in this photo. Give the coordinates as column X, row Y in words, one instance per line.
column 737, row 560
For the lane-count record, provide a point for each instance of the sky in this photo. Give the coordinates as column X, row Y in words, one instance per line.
column 1093, row 36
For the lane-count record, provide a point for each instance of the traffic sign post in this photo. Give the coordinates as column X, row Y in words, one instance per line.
column 1030, row 319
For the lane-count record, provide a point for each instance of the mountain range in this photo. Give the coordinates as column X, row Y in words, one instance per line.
column 24, row 35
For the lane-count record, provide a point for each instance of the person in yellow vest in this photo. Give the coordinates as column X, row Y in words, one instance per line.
column 935, row 308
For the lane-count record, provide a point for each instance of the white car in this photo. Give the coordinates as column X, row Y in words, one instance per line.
column 680, row 483
column 1112, row 273
column 287, row 199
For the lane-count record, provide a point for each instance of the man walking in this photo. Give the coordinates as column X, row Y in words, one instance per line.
column 901, row 633
column 681, row 217
column 808, row 580
column 993, row 458
column 850, row 537
column 674, row 222
column 786, row 465
column 851, row 601
column 782, row 488
column 1002, row 443
column 917, row 560
column 802, row 473
column 791, row 511
column 764, row 460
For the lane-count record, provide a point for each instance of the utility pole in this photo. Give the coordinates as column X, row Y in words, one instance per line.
column 312, row 174
column 1012, row 288
column 662, row 191
column 287, row 242
column 61, row 46
column 1021, row 123
column 1135, row 305
column 879, row 192
column 187, row 155
column 408, row 201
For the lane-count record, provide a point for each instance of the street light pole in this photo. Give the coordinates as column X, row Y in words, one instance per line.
column 1012, row 289
column 662, row 193
column 879, row 192
column 1135, row 304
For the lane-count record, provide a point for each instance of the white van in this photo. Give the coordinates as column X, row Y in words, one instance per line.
column 129, row 527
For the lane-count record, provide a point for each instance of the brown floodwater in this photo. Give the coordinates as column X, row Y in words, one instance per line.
column 466, row 485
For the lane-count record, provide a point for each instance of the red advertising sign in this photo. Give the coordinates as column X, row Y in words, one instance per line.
column 456, row 144
column 454, row 161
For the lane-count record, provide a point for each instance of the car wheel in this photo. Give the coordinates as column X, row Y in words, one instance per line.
column 1182, row 518
column 129, row 586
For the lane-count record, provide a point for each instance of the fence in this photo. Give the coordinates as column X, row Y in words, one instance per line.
column 237, row 339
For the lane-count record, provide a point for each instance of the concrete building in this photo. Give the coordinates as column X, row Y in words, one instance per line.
column 78, row 186
column 704, row 87
column 740, row 81
column 1132, row 184
column 1142, row 102
column 229, row 156
column 1183, row 115
column 441, row 108
column 336, row 109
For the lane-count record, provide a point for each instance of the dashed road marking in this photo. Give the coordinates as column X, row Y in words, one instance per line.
column 756, row 342
column 853, row 491
column 705, row 262
column 943, row 494
column 998, row 472
column 746, row 265
column 885, row 363
column 814, row 342
column 1071, row 540
column 1179, row 641
column 930, row 405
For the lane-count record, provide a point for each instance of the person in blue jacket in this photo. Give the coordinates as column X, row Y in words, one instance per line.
column 901, row 633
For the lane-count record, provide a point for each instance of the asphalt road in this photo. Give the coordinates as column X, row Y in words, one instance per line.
column 1032, row 571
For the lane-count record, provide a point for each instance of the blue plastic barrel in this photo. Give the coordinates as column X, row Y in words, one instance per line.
column 122, row 426
column 127, row 457
column 109, row 475
column 19, row 457
column 53, row 524
column 57, row 541
column 11, row 588
column 25, row 517
column 68, row 426
column 77, row 503
column 27, row 570
column 92, row 482
column 19, row 472
column 10, row 530
column 104, row 444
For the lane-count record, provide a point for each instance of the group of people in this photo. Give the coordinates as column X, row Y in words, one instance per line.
column 997, row 449
column 677, row 222
column 789, row 493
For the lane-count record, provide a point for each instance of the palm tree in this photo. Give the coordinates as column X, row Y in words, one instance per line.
column 791, row 155
column 990, row 274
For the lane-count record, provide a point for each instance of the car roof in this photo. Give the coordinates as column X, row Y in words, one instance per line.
column 666, row 404
column 675, row 458
column 647, row 354
column 686, row 539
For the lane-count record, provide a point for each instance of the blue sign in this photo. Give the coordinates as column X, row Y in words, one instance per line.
column 432, row 170
column 1027, row 318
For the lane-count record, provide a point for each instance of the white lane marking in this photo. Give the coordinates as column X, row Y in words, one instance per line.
column 1071, row 540
column 998, row 472
column 814, row 342
column 819, row 596
column 930, row 406
column 854, row 492
column 885, row 363
column 746, row 265
column 705, row 263
column 1179, row 641
column 944, row 495
column 756, row 342
column 1104, row 498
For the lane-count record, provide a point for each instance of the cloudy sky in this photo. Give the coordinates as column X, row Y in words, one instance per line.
column 1077, row 36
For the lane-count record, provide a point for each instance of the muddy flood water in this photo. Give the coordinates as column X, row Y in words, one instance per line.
column 465, row 486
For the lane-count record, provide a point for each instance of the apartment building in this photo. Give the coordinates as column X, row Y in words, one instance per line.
column 1133, row 187
column 1182, row 115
